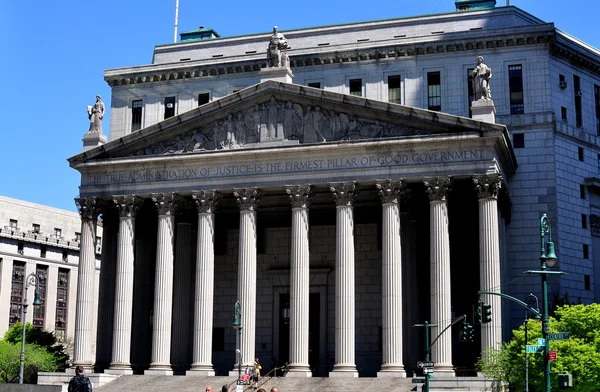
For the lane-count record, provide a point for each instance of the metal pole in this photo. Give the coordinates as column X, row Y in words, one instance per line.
column 240, row 361
column 176, row 20
column 23, row 319
column 545, row 329
column 427, row 354
column 526, row 356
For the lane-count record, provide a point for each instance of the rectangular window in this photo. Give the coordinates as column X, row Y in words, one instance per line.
column 36, row 228
column 578, row 94
column 597, row 107
column 561, row 81
column 20, row 246
column 203, row 98
column 515, row 85
column 394, row 95
column 356, row 87
column 563, row 114
column 434, row 91
column 586, row 251
column 315, row 84
column 587, row 282
column 57, row 232
column 43, row 250
column 62, row 296
column 519, row 140
column 65, row 255
column 583, row 221
column 582, row 191
column 471, row 93
column 580, row 153
column 40, row 311
column 77, row 237
column 16, row 292
column 169, row 107
column 13, row 223
column 136, row 114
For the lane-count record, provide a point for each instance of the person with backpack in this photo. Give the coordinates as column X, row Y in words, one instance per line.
column 80, row 383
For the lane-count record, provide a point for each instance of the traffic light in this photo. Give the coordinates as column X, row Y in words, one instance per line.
column 479, row 313
column 466, row 333
column 487, row 313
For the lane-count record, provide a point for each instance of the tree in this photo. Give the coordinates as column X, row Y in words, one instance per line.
column 43, row 339
column 579, row 355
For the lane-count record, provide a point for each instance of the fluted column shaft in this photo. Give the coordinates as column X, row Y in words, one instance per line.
column 163, row 287
column 84, row 311
column 206, row 202
column 391, row 279
column 441, row 311
column 489, row 256
column 247, row 200
column 182, row 298
column 299, row 281
column 345, row 317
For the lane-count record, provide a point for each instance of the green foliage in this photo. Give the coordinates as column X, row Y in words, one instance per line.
column 580, row 355
column 37, row 359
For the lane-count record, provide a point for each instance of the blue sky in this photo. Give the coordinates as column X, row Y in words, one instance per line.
column 54, row 53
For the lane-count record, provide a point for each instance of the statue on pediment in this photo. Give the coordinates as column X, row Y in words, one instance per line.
column 481, row 80
column 276, row 55
column 314, row 120
column 292, row 121
column 96, row 114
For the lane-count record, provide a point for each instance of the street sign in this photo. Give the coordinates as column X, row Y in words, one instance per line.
column 427, row 370
column 425, row 364
column 532, row 348
column 541, row 341
column 558, row 336
column 418, row 381
column 552, row 355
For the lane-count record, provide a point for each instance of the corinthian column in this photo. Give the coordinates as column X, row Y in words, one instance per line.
column 299, row 282
column 84, row 313
column 123, row 313
column 345, row 322
column 489, row 255
column 441, row 311
column 206, row 201
column 247, row 200
column 163, row 286
column 391, row 259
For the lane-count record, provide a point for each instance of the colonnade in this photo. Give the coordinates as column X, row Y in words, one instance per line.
column 248, row 200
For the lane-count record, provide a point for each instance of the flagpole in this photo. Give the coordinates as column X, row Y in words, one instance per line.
column 176, row 20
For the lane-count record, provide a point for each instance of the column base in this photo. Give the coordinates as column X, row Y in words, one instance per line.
column 392, row 371
column 299, row 372
column 445, row 370
column 344, row 370
column 200, row 371
column 159, row 370
column 119, row 368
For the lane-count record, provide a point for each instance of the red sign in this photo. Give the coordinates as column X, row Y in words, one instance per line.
column 552, row 355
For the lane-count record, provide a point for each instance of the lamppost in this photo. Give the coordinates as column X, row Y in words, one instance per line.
column 532, row 302
column 237, row 324
column 31, row 280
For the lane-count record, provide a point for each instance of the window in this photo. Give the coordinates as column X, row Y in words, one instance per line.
column 394, row 95
column 169, row 107
column 356, row 87
column 77, row 237
column 519, row 140
column 563, row 114
column 43, row 250
column 582, row 191
column 62, row 296
column 57, row 232
column 203, row 98
column 583, row 221
column 65, row 255
column 434, row 91
column 136, row 114
column 36, row 228
column 586, row 251
column 314, row 84
column 578, row 94
column 580, row 153
column 98, row 241
column 515, row 86
column 561, row 81
column 39, row 312
column 470, row 89
column 587, row 282
column 597, row 106
column 13, row 223
column 16, row 293
column 20, row 246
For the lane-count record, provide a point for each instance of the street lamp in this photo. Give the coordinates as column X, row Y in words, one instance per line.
column 31, row 280
column 547, row 259
column 237, row 324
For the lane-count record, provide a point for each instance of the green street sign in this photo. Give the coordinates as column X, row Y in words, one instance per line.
column 418, row 381
column 541, row 341
column 558, row 336
column 534, row 348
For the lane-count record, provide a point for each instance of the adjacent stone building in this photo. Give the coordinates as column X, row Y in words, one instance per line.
column 342, row 197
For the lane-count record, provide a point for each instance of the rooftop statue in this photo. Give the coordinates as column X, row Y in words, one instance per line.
column 276, row 55
column 481, row 80
column 96, row 114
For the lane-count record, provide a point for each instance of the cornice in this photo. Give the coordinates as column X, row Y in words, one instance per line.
column 575, row 57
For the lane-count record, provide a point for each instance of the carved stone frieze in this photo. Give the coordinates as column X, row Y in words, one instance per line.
column 247, row 198
column 165, row 203
column 128, row 205
column 206, row 201
column 299, row 195
column 278, row 121
column 343, row 192
column 87, row 207
column 437, row 188
column 488, row 186
column 389, row 190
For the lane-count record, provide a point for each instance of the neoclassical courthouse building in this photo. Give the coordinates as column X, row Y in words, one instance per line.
column 352, row 186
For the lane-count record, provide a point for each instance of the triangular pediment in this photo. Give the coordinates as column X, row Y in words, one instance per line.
column 279, row 114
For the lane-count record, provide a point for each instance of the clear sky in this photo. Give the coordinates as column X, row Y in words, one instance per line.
column 53, row 55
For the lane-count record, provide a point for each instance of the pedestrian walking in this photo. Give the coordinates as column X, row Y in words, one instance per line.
column 80, row 383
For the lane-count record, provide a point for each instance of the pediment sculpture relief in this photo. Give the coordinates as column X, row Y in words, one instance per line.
column 278, row 122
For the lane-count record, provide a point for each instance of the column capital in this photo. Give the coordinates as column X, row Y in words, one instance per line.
column 247, row 198
column 206, row 200
column 389, row 190
column 128, row 205
column 87, row 207
column 437, row 188
column 343, row 192
column 165, row 203
column 488, row 186
column 299, row 195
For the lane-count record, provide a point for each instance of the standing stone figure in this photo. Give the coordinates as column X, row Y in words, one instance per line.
column 481, row 80
column 96, row 114
column 276, row 55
